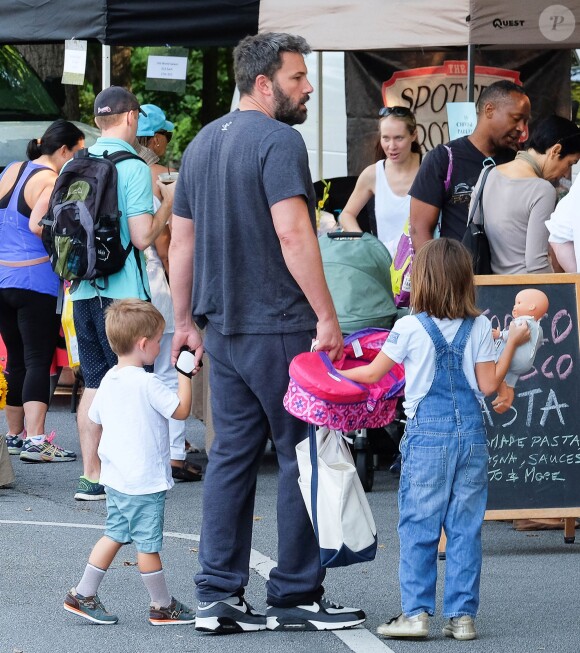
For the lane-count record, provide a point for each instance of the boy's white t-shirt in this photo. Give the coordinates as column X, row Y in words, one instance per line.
column 133, row 407
column 410, row 344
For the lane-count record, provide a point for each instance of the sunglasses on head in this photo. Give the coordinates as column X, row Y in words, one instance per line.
column 168, row 135
column 395, row 111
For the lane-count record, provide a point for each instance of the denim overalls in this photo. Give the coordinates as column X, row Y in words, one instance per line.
column 443, row 483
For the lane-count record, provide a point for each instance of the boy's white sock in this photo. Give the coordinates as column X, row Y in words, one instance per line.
column 157, row 588
column 89, row 583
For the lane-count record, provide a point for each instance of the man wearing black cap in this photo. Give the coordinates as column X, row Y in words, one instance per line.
column 116, row 114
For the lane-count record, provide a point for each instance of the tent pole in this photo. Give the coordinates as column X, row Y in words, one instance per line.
column 106, row 65
column 470, row 72
column 320, row 95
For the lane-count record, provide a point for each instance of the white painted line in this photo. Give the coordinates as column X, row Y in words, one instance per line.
column 52, row 523
column 362, row 640
column 358, row 640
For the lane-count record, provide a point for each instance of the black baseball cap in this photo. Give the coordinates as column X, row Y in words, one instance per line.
column 115, row 100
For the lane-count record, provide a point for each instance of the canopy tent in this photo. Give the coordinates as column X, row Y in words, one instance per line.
column 340, row 25
column 525, row 23
column 421, row 24
column 326, row 24
column 193, row 23
column 369, row 25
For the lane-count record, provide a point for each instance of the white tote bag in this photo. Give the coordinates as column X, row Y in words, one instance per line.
column 335, row 499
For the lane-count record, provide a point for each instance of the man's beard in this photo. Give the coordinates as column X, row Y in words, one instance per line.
column 286, row 110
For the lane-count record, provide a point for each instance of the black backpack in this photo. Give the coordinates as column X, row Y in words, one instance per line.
column 81, row 231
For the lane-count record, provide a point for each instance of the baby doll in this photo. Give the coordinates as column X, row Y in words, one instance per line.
column 530, row 306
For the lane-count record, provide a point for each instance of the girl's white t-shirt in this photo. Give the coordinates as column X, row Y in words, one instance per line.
column 410, row 344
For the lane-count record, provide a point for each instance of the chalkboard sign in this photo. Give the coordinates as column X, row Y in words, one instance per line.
column 534, row 448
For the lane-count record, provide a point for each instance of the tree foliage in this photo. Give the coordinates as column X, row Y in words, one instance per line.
column 208, row 93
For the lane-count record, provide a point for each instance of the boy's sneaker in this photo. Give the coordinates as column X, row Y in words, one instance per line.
column 461, row 628
column 89, row 490
column 14, row 444
column 401, row 626
column 231, row 615
column 175, row 614
column 45, row 452
column 320, row 615
column 88, row 607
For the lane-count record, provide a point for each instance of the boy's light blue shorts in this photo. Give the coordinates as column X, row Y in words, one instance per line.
column 136, row 518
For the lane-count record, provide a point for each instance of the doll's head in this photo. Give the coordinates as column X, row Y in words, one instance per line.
column 531, row 301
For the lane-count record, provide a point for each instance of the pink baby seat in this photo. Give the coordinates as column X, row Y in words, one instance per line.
column 319, row 394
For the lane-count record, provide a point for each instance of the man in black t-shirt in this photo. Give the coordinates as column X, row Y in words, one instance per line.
column 503, row 113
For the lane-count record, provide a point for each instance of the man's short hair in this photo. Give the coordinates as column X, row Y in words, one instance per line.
column 261, row 55
column 498, row 91
column 129, row 320
column 106, row 122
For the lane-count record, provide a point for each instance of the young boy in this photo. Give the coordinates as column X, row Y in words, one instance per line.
column 133, row 407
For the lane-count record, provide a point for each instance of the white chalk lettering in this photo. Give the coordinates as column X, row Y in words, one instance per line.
column 530, row 394
column 552, row 404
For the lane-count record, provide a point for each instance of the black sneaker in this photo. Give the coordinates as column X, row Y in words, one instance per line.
column 89, row 490
column 231, row 615
column 14, row 444
column 320, row 615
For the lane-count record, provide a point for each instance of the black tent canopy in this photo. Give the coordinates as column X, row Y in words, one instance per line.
column 190, row 23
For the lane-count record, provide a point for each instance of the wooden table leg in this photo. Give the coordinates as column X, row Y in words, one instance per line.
column 569, row 530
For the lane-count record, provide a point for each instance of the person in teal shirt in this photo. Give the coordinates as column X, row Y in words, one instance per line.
column 116, row 113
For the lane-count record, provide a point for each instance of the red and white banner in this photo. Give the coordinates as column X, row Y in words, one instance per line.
column 426, row 91
column 427, row 81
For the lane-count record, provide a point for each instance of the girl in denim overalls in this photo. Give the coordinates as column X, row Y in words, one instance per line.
column 448, row 353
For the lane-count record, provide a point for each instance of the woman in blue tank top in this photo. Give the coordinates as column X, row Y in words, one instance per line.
column 29, row 323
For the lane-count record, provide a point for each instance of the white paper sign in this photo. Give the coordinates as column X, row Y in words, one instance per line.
column 166, row 67
column 461, row 119
column 75, row 62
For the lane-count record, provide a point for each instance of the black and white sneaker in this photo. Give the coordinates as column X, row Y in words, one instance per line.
column 231, row 615
column 320, row 615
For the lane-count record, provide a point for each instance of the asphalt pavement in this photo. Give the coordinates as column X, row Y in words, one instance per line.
column 530, row 594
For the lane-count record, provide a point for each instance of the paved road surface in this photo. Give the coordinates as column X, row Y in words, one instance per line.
column 530, row 587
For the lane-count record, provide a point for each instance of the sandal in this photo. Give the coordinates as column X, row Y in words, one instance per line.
column 187, row 472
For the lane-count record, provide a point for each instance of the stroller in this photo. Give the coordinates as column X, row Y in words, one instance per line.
column 319, row 394
column 357, row 271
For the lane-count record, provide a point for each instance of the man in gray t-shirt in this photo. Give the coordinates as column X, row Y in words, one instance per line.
column 245, row 264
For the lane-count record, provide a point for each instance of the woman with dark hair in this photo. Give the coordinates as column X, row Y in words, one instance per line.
column 519, row 196
column 389, row 179
column 29, row 323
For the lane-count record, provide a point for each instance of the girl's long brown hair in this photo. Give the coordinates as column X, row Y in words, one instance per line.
column 442, row 280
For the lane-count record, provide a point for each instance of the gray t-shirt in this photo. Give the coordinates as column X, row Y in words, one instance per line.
column 515, row 213
column 235, row 169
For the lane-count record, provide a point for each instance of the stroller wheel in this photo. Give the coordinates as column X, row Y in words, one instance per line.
column 364, row 460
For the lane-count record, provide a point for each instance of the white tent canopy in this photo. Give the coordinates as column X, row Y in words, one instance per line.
column 369, row 25
column 412, row 24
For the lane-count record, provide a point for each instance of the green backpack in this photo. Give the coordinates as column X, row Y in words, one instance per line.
column 357, row 271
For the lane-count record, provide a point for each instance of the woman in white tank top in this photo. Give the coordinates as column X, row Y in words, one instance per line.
column 389, row 179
